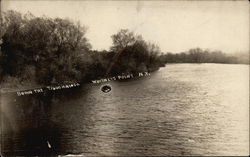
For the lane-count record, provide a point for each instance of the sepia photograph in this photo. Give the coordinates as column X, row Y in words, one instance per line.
column 124, row 78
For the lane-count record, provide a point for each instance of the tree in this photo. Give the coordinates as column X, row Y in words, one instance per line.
column 123, row 39
column 51, row 46
column 133, row 53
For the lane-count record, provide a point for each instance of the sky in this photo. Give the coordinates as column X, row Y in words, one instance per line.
column 175, row 26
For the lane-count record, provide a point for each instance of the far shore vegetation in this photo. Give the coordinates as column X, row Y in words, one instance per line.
column 44, row 51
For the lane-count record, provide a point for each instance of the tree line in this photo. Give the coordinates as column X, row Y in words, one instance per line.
column 45, row 51
column 198, row 55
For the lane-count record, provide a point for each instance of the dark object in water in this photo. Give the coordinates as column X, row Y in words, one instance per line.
column 106, row 88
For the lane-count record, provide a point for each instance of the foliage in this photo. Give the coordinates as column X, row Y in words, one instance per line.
column 198, row 55
column 52, row 46
column 133, row 54
column 52, row 51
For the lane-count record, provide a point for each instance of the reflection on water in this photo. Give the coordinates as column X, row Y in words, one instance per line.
column 183, row 109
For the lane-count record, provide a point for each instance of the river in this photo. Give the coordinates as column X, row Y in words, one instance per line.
column 182, row 109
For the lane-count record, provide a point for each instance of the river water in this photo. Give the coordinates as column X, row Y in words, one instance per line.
column 182, row 109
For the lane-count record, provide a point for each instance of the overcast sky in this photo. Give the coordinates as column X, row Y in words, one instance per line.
column 175, row 26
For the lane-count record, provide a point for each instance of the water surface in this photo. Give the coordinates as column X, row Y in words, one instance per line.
column 182, row 109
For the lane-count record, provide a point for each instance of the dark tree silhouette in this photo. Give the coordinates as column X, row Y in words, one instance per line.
column 44, row 47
